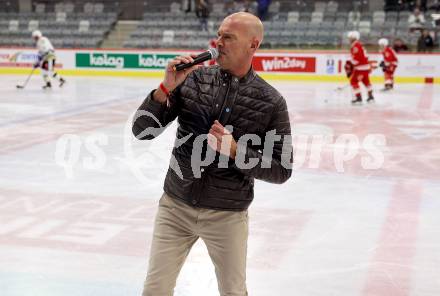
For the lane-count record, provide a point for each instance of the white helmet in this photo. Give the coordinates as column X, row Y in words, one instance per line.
column 383, row 42
column 354, row 35
column 36, row 34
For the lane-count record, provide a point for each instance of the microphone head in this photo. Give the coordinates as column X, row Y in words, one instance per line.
column 214, row 53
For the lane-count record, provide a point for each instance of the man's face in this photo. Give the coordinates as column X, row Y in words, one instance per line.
column 233, row 44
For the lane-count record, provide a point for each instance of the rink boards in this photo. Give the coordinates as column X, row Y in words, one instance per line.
column 280, row 65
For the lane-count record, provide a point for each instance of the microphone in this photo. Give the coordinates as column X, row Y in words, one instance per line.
column 210, row 54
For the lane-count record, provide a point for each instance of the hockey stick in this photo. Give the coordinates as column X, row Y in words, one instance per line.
column 336, row 91
column 339, row 88
column 27, row 80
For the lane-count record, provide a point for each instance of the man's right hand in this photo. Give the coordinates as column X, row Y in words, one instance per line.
column 174, row 78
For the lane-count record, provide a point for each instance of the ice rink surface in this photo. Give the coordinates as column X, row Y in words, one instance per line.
column 78, row 194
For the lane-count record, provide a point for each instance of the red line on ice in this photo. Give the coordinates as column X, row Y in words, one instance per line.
column 391, row 266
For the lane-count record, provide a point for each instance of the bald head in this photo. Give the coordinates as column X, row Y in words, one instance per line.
column 239, row 37
column 249, row 22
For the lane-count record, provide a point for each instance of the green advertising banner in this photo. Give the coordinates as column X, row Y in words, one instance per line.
column 122, row 60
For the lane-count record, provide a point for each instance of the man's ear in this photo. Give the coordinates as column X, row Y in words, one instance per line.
column 255, row 44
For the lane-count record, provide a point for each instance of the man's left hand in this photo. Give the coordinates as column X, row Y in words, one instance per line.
column 221, row 140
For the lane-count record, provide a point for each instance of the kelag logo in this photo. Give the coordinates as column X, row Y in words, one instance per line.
column 107, row 61
column 122, row 60
column 154, row 61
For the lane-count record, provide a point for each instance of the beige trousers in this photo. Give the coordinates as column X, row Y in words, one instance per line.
column 177, row 227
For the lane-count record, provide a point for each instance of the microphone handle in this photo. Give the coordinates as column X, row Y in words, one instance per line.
column 197, row 60
column 181, row 67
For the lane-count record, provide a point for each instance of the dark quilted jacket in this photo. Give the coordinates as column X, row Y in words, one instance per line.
column 251, row 106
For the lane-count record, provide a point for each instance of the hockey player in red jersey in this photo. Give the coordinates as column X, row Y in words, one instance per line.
column 360, row 68
column 389, row 63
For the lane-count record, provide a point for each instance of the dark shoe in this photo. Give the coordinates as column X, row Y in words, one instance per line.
column 62, row 81
column 370, row 99
column 47, row 86
column 387, row 87
column 357, row 101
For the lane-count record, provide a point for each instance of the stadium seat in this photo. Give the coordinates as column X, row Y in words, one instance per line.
column 391, row 16
column 274, row 7
column 305, row 16
column 59, row 7
column 168, row 36
column 84, row 26
column 379, row 15
column 13, row 25
column 98, row 8
column 32, row 25
column 40, row 8
column 332, row 6
column 329, row 16
column 354, row 16
column 320, row 6
column 61, row 16
column 88, row 8
column 317, row 16
column 175, row 8
column 364, row 26
column 293, row 17
column 218, row 8
column 69, row 7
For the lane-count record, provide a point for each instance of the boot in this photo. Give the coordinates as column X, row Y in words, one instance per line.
column 62, row 81
column 357, row 100
column 387, row 87
column 370, row 97
column 48, row 85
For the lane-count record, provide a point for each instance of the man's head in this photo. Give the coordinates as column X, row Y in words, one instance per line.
column 239, row 37
column 353, row 36
column 383, row 42
column 36, row 35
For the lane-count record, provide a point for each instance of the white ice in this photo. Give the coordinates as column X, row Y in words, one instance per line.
column 78, row 195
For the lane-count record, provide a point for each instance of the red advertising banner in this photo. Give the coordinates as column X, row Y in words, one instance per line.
column 284, row 64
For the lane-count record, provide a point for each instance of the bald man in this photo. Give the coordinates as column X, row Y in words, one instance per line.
column 233, row 128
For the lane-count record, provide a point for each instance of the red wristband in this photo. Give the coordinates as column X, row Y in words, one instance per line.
column 164, row 89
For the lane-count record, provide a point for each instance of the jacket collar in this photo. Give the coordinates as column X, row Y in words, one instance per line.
column 244, row 80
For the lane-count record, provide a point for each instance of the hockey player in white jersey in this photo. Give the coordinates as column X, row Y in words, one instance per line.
column 46, row 60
